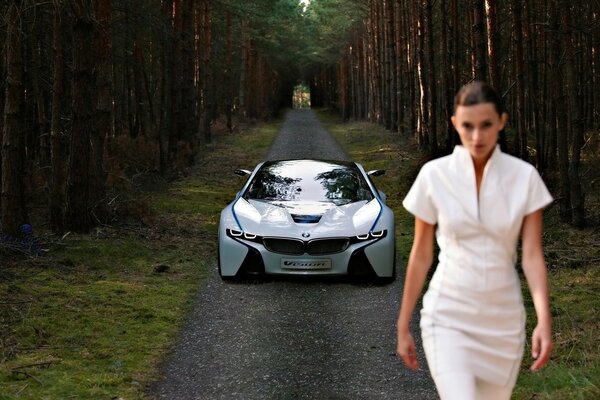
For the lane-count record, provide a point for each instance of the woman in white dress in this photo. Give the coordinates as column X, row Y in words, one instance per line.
column 477, row 202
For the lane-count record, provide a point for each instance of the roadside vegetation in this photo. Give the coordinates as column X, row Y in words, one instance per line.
column 573, row 257
column 93, row 318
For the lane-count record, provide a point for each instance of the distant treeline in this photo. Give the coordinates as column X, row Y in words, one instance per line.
column 91, row 86
column 403, row 65
column 76, row 74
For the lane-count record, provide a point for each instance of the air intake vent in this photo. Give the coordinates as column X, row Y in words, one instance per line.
column 306, row 219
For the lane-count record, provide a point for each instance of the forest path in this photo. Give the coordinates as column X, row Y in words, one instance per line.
column 292, row 339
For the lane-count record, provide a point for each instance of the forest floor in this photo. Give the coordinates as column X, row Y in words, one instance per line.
column 97, row 314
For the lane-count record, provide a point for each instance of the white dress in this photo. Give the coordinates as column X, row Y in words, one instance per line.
column 473, row 318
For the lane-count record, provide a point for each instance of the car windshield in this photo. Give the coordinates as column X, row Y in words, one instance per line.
column 306, row 180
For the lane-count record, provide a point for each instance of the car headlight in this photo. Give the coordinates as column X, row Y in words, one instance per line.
column 237, row 234
column 369, row 236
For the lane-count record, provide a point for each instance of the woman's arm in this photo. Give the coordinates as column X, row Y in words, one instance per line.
column 419, row 262
column 536, row 274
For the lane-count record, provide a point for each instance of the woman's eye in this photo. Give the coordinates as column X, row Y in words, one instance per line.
column 467, row 126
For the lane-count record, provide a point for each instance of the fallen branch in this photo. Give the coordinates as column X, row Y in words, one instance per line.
column 27, row 374
column 39, row 364
column 15, row 302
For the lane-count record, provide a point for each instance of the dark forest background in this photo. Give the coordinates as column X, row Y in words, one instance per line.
column 93, row 91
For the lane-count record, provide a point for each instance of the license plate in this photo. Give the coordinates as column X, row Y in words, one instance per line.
column 305, row 265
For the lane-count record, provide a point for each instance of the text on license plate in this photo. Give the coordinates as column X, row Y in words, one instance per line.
column 310, row 264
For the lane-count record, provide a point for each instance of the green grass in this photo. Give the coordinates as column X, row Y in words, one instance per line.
column 96, row 312
column 572, row 256
column 93, row 319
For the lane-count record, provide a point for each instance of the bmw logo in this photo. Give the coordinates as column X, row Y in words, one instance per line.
column 305, row 234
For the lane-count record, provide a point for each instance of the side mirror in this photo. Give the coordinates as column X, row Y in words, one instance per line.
column 376, row 172
column 242, row 172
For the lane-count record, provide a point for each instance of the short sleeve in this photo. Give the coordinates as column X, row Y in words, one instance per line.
column 418, row 201
column 538, row 195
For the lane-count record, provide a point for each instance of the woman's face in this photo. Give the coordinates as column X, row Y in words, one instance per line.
column 478, row 126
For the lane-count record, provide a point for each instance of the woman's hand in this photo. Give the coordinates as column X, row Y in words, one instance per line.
column 541, row 345
column 407, row 350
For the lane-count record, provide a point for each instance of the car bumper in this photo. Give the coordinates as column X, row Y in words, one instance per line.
column 371, row 258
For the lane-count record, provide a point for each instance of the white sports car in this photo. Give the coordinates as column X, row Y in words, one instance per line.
column 307, row 217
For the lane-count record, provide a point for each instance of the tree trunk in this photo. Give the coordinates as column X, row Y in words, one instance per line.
column 448, row 88
column 58, row 135
column 39, row 145
column 245, row 56
column 492, row 35
column 480, row 40
column 401, row 42
column 138, row 66
column 391, row 54
column 165, row 125
column 104, row 121
column 227, row 73
column 575, row 107
column 207, row 81
column 4, row 11
column 188, row 109
column 176, row 80
column 519, row 62
column 431, row 79
column 561, row 103
column 12, row 200
column 422, row 127
column 79, row 204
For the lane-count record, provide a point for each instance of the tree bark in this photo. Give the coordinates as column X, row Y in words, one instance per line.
column 104, row 112
column 176, row 79
column 391, row 54
column 188, row 106
column 560, row 101
column 58, row 134
column 431, row 79
column 4, row 11
column 448, row 87
column 227, row 73
column 479, row 40
column 79, row 203
column 141, row 117
column 38, row 146
column 207, row 81
column 575, row 107
column 492, row 36
column 12, row 200
column 165, row 124
column 519, row 62
column 401, row 41
column 421, row 131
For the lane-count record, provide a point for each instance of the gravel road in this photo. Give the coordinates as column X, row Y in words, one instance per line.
column 293, row 339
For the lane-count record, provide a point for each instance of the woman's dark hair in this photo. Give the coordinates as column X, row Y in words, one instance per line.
column 478, row 92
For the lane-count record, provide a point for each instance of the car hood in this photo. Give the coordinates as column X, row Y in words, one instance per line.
column 318, row 219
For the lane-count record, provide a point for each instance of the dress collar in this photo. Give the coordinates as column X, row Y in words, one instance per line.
column 462, row 155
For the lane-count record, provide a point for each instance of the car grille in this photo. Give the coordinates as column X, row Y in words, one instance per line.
column 313, row 247
column 327, row 246
column 285, row 246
